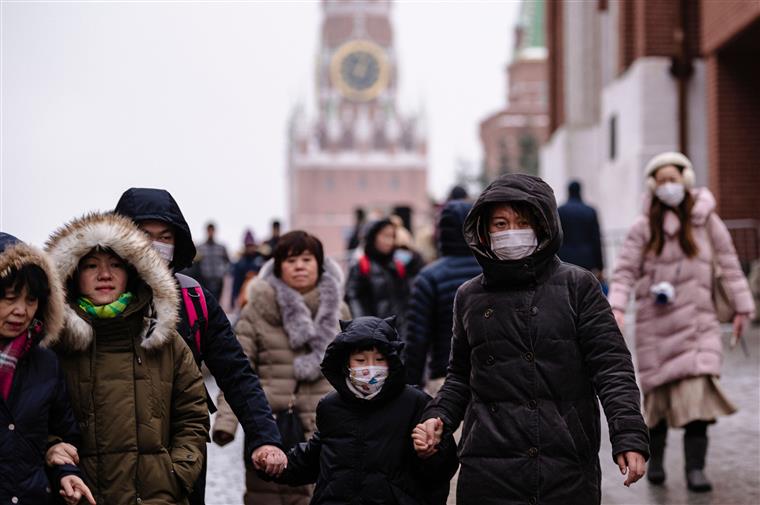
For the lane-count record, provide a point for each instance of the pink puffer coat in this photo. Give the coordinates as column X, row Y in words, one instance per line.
column 680, row 339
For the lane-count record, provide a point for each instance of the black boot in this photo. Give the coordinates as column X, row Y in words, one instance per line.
column 655, row 468
column 695, row 449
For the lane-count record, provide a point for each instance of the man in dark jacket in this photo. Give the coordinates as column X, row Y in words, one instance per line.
column 361, row 451
column 429, row 316
column 535, row 347
column 581, row 239
column 156, row 212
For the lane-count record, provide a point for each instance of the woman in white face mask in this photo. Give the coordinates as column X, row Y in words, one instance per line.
column 667, row 261
column 534, row 348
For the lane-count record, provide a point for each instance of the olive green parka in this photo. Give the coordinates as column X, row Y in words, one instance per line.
column 135, row 389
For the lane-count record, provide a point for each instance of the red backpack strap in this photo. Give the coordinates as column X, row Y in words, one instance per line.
column 364, row 265
column 400, row 269
column 193, row 299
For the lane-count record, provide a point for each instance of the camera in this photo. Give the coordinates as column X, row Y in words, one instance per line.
column 663, row 293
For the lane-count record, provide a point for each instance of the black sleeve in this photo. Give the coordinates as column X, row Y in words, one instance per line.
column 357, row 293
column 597, row 243
column 420, row 322
column 63, row 425
column 303, row 460
column 233, row 373
column 452, row 400
column 609, row 362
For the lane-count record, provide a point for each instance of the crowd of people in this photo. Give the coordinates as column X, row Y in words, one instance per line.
column 351, row 387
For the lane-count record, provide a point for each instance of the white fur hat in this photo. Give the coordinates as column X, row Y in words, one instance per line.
column 670, row 158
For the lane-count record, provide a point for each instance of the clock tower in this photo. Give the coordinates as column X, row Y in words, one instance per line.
column 359, row 151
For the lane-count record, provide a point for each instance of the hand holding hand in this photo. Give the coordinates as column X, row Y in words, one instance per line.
column 633, row 463
column 62, row 454
column 426, row 436
column 270, row 460
column 73, row 489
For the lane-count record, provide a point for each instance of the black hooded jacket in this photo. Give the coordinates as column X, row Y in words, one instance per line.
column 382, row 291
column 429, row 316
column 38, row 405
column 220, row 349
column 362, row 450
column 534, row 345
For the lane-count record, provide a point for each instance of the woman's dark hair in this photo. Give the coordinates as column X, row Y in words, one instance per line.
column 294, row 243
column 34, row 279
column 657, row 211
column 133, row 279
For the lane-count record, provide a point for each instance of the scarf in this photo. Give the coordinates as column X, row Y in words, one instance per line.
column 109, row 311
column 11, row 352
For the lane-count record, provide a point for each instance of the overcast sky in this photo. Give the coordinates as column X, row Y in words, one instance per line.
column 194, row 97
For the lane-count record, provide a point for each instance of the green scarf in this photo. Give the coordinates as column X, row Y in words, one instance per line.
column 109, row 311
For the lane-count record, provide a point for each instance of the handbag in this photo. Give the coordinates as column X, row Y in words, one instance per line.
column 289, row 423
column 725, row 308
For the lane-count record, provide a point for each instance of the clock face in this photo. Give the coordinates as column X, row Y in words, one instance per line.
column 360, row 70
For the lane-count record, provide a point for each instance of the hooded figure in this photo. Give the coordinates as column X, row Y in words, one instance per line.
column 377, row 285
column 135, row 390
column 361, row 451
column 220, row 349
column 535, row 347
column 34, row 404
column 429, row 316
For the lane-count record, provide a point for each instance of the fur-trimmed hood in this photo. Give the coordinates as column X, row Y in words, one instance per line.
column 74, row 240
column 14, row 253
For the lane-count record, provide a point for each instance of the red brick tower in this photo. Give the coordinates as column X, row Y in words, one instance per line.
column 360, row 151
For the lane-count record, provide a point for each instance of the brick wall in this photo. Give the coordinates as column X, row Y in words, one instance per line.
column 723, row 19
column 733, row 79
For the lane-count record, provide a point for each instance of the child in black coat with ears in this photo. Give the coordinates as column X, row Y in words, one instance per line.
column 362, row 451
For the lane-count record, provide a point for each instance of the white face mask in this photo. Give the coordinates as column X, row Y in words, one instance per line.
column 513, row 244
column 166, row 251
column 367, row 381
column 671, row 193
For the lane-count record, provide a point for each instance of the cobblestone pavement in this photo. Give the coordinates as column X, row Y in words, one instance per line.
column 733, row 461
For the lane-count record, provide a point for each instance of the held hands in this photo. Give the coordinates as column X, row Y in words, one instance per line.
column 426, row 436
column 73, row 490
column 632, row 463
column 62, row 454
column 270, row 460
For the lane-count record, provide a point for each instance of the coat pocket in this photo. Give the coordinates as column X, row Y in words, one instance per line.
column 578, row 434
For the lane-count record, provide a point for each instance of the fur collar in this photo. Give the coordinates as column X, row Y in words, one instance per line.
column 307, row 330
column 74, row 240
column 19, row 255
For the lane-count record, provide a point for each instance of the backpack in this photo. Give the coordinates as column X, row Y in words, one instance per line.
column 364, row 266
column 197, row 312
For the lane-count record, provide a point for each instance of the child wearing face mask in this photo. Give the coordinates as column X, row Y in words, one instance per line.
column 362, row 448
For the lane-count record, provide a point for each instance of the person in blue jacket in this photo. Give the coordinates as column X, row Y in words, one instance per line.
column 156, row 212
column 581, row 238
column 431, row 304
column 34, row 403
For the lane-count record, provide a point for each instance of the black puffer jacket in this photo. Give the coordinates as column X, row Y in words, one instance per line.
column 220, row 349
column 382, row 289
column 431, row 302
column 534, row 343
column 362, row 451
column 38, row 404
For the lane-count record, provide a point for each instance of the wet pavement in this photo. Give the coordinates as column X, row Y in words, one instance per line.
column 733, row 460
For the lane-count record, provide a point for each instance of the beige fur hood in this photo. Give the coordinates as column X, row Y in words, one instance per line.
column 74, row 240
column 18, row 255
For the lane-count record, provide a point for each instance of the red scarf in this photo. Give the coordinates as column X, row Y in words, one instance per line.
column 11, row 353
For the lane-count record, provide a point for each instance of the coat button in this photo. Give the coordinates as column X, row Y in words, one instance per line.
column 488, row 313
column 490, row 360
column 11, row 427
column 493, row 408
column 533, row 311
column 529, row 357
column 532, row 404
column 532, row 500
column 533, row 452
